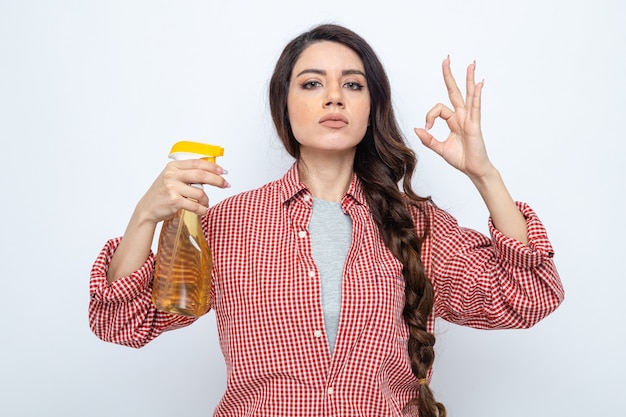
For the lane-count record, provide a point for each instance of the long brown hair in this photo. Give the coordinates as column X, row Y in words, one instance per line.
column 382, row 160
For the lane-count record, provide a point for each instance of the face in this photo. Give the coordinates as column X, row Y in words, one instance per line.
column 328, row 101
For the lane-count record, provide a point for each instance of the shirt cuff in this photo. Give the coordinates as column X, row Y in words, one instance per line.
column 516, row 253
column 123, row 289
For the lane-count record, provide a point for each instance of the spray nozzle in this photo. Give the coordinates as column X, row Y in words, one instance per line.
column 191, row 150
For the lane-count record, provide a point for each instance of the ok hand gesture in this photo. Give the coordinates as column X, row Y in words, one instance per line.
column 464, row 148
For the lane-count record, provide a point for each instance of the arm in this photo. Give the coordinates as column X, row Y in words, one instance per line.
column 122, row 312
column 465, row 150
column 503, row 282
column 170, row 192
column 491, row 283
column 120, row 308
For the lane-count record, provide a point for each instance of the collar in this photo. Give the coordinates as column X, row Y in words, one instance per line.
column 292, row 188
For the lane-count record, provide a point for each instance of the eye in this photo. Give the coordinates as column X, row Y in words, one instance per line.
column 310, row 85
column 353, row 85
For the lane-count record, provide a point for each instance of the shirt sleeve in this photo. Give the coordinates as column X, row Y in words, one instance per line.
column 491, row 283
column 122, row 312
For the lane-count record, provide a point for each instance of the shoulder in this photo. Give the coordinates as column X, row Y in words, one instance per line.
column 248, row 201
column 427, row 216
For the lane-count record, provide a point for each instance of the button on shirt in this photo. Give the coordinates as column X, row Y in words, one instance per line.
column 267, row 300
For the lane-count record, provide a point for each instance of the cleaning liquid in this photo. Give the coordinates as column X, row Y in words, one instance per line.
column 182, row 277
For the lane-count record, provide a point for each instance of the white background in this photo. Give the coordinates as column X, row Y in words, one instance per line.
column 93, row 94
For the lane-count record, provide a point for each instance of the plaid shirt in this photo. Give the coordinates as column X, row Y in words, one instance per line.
column 267, row 300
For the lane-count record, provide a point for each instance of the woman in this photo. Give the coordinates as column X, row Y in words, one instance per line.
column 326, row 283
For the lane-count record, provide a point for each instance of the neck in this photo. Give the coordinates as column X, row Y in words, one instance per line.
column 327, row 178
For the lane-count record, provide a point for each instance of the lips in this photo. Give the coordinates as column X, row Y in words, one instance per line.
column 333, row 120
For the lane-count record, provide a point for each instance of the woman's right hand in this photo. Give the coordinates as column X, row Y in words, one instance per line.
column 172, row 189
column 170, row 192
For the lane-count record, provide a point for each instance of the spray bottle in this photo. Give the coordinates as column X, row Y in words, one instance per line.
column 182, row 276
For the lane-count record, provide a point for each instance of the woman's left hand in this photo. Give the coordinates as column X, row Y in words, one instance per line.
column 464, row 148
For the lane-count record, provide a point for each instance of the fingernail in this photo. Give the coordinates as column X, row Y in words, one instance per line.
column 221, row 171
column 226, row 184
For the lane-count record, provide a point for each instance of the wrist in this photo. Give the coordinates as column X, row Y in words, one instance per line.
column 141, row 222
column 486, row 179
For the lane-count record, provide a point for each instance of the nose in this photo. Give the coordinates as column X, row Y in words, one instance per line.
column 334, row 97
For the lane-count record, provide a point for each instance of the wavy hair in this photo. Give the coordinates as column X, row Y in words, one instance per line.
column 382, row 161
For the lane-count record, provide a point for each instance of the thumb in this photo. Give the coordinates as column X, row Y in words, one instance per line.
column 428, row 140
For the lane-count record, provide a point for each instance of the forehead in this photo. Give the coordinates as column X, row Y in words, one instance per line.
column 327, row 55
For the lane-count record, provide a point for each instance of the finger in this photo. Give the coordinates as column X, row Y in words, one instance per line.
column 199, row 176
column 453, row 90
column 197, row 171
column 469, row 82
column 200, row 164
column 439, row 110
column 198, row 207
column 195, row 193
column 429, row 140
column 177, row 195
column 475, row 104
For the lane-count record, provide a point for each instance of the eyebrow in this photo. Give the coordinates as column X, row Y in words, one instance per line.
column 323, row 72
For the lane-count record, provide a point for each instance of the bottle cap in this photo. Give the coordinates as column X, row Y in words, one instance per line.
column 188, row 150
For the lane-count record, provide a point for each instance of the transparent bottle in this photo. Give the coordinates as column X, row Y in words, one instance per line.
column 182, row 276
